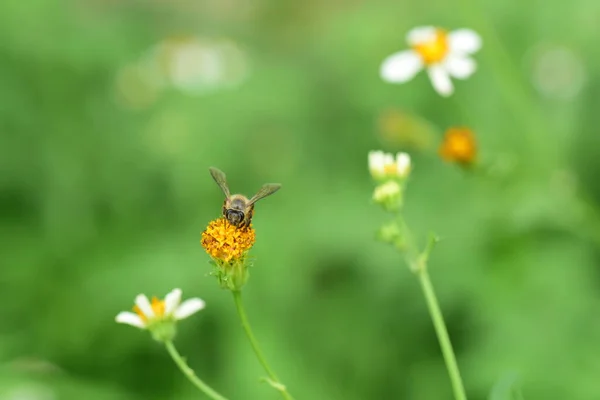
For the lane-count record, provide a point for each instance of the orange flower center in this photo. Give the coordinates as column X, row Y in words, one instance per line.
column 390, row 169
column 459, row 146
column 434, row 50
column 158, row 306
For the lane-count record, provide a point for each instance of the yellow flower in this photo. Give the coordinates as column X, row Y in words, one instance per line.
column 224, row 241
column 228, row 246
column 459, row 146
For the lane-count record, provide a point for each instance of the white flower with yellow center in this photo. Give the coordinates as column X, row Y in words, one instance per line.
column 383, row 165
column 443, row 54
column 171, row 309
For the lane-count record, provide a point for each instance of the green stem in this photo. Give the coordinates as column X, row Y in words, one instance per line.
column 189, row 373
column 273, row 380
column 418, row 265
column 442, row 334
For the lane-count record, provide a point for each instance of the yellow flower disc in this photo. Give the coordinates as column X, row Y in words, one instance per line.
column 158, row 306
column 226, row 242
column 435, row 50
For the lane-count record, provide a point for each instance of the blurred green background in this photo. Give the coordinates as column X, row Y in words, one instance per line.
column 111, row 113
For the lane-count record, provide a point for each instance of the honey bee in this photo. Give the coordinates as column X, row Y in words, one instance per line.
column 238, row 209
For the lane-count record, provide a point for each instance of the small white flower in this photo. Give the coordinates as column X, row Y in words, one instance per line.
column 383, row 165
column 444, row 55
column 169, row 309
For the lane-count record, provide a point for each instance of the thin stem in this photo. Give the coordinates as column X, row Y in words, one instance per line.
column 418, row 264
column 189, row 373
column 442, row 334
column 274, row 381
column 411, row 254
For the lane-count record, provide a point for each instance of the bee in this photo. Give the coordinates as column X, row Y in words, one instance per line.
column 238, row 209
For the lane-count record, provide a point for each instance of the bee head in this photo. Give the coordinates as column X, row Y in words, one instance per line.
column 235, row 217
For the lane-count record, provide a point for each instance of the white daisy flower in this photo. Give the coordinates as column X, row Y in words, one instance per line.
column 443, row 54
column 170, row 309
column 383, row 165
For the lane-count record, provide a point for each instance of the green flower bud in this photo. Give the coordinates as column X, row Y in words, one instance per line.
column 389, row 195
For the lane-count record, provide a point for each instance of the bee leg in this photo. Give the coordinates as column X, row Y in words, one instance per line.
column 249, row 216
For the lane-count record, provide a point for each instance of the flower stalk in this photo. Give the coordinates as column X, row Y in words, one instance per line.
column 397, row 233
column 273, row 379
column 160, row 318
column 228, row 247
column 189, row 373
column 442, row 334
column 418, row 265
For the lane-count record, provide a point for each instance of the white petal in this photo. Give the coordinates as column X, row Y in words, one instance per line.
column 421, row 34
column 459, row 66
column 400, row 67
column 172, row 300
column 375, row 157
column 440, row 80
column 388, row 159
column 144, row 305
column 464, row 41
column 189, row 307
column 402, row 164
column 130, row 319
column 376, row 162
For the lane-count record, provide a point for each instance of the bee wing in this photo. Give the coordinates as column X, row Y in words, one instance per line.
column 266, row 190
column 220, row 178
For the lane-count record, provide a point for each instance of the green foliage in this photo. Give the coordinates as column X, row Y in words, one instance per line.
column 506, row 388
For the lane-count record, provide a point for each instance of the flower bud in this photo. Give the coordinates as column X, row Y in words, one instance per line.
column 389, row 195
column 459, row 146
column 393, row 234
